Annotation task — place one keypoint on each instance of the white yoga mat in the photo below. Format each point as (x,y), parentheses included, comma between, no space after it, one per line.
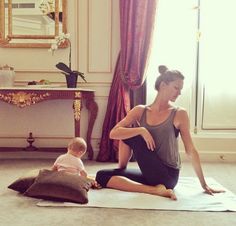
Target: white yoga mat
(188,191)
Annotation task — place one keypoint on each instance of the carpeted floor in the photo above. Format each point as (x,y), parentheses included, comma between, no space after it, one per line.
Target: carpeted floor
(17,210)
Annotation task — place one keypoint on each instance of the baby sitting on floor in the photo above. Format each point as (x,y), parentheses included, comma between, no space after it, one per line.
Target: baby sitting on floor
(71,161)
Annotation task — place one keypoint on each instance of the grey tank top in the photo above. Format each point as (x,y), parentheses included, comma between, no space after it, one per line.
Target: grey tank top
(165,136)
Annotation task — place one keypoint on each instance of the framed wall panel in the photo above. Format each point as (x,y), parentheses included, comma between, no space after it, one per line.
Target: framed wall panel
(99,36)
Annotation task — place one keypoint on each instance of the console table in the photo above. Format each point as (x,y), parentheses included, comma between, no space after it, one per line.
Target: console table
(25,97)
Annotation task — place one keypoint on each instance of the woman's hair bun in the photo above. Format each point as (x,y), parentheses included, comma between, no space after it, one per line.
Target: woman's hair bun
(162,69)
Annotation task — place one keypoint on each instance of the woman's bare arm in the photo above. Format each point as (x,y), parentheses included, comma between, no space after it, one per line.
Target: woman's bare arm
(191,150)
(124,129)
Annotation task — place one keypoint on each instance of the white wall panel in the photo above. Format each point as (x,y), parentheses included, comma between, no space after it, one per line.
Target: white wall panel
(99,36)
(219,111)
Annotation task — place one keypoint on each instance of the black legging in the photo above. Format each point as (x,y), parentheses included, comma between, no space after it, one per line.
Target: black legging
(152,171)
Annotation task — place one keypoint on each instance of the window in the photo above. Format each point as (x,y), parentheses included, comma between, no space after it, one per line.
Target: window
(208,65)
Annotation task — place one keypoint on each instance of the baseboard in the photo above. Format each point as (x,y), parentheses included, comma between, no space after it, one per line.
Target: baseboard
(28,155)
(207,156)
(210,156)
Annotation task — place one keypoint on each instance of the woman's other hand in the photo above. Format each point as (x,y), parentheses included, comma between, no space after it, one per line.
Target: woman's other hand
(211,191)
(148,139)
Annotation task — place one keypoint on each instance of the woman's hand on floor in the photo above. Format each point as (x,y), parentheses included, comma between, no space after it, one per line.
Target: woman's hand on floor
(211,191)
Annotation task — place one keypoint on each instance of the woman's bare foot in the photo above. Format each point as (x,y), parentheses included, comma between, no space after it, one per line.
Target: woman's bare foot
(171,194)
(162,191)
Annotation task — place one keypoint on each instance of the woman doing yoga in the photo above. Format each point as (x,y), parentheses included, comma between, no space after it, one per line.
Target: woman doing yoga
(151,133)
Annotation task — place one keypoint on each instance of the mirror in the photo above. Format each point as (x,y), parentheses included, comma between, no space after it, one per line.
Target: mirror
(31,23)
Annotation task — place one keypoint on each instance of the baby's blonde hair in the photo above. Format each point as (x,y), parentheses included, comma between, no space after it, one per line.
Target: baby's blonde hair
(77,144)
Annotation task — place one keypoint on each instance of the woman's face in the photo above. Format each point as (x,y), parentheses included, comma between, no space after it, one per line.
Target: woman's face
(173,89)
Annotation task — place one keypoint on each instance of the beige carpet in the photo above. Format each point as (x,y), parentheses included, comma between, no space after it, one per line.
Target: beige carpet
(189,193)
(17,210)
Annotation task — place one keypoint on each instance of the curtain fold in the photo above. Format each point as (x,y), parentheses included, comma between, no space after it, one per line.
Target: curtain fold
(136,26)
(117,107)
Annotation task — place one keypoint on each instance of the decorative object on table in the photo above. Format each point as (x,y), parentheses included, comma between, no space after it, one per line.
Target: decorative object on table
(30,140)
(71,75)
(41,82)
(7,76)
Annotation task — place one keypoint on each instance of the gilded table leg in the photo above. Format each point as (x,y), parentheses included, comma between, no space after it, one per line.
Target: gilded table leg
(77,110)
(92,107)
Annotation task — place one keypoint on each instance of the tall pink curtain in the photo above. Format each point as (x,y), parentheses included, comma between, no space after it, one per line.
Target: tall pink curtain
(136,26)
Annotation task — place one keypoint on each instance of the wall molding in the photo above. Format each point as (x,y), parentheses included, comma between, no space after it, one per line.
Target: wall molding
(207,155)
(92,32)
(37,71)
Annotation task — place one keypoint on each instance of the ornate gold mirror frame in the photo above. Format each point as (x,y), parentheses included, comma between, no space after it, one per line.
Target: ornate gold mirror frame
(56,15)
